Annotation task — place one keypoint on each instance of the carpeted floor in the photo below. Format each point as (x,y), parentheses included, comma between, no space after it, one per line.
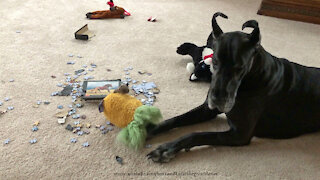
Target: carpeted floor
(41,49)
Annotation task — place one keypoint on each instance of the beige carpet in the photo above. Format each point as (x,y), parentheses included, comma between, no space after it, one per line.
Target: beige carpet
(41,49)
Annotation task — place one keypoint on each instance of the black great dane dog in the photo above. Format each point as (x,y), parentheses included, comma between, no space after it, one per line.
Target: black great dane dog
(261,95)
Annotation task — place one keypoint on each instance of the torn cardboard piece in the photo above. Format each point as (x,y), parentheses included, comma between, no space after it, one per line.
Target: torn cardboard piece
(84,33)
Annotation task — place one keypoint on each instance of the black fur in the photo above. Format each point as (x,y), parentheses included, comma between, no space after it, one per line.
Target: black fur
(261,95)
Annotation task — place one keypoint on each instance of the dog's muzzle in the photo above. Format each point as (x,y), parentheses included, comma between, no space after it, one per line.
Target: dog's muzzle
(211,105)
(224,107)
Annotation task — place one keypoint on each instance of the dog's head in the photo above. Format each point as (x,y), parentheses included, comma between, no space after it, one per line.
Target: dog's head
(232,60)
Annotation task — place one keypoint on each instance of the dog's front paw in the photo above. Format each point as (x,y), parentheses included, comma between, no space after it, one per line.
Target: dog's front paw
(164,153)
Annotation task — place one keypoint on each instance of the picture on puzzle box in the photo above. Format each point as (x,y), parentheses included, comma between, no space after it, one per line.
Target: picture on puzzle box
(99,89)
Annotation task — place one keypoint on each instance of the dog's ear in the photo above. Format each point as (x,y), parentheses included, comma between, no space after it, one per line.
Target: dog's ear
(216,30)
(255,34)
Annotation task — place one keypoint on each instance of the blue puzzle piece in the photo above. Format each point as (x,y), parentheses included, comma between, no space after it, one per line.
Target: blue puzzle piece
(32,141)
(6,141)
(35,128)
(86,144)
(110,128)
(10,108)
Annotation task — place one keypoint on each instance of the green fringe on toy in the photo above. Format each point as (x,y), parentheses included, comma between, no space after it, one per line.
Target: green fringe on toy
(135,134)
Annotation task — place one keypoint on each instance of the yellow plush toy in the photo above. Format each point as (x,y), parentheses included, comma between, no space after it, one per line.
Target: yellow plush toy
(127,112)
(119,108)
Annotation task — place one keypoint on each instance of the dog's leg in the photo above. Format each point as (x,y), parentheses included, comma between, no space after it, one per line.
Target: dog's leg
(200,114)
(167,151)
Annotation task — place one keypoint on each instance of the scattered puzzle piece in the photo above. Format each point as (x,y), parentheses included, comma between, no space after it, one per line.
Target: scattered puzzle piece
(88,125)
(76,116)
(86,144)
(86,132)
(79,71)
(93,65)
(69,127)
(35,105)
(61,114)
(32,141)
(10,108)
(2,112)
(119,160)
(110,128)
(35,128)
(7,141)
(141,72)
(62,120)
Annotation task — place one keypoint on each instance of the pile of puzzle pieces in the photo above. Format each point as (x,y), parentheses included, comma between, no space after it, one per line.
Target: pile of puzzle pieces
(6,99)
(72,86)
(148,89)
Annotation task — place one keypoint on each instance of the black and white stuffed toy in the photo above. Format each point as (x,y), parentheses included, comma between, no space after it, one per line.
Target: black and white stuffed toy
(202,58)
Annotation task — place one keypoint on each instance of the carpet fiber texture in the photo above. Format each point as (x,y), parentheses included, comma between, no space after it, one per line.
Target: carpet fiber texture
(35,40)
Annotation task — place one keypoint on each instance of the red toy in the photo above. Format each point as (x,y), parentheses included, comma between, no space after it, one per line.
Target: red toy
(114,12)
